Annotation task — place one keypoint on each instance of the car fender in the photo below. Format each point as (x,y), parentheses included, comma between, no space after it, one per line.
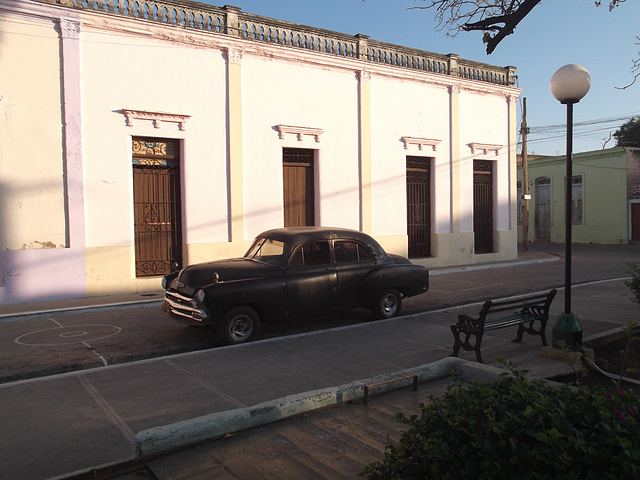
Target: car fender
(408,279)
(264,297)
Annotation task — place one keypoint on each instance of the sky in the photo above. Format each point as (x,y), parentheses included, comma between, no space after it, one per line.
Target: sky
(554,34)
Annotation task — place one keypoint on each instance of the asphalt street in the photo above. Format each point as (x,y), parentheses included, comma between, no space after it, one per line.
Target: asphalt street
(55,337)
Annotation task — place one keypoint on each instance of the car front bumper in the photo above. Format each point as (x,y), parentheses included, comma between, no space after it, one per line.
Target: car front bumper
(185,309)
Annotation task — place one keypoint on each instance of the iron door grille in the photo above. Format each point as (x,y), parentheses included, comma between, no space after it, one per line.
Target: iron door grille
(157,211)
(483,206)
(298,187)
(419,206)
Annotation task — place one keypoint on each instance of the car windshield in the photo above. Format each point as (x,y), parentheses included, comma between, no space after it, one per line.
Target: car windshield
(269,251)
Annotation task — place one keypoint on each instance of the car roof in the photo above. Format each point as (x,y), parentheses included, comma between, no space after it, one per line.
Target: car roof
(298,235)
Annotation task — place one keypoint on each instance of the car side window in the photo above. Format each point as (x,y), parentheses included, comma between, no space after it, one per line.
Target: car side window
(315,253)
(349,252)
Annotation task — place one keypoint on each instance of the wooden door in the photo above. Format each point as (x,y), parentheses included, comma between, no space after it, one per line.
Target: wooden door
(483,206)
(156,205)
(635,222)
(543,208)
(419,206)
(298,187)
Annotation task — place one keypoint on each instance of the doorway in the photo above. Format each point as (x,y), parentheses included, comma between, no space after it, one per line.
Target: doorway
(298,187)
(156,205)
(635,222)
(419,206)
(543,209)
(483,206)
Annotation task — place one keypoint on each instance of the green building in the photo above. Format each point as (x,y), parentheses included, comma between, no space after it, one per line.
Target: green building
(605,197)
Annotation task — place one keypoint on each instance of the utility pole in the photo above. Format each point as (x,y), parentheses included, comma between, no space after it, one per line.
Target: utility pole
(525,180)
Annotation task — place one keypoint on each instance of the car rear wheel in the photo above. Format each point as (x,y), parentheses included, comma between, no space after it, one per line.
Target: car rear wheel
(240,325)
(387,305)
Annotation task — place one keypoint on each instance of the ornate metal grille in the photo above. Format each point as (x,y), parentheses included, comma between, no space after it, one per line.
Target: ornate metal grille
(156,200)
(483,206)
(419,206)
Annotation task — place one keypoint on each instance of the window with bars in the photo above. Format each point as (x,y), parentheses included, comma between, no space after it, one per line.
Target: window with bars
(576,200)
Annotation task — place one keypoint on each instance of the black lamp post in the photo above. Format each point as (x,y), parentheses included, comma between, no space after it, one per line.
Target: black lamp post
(568,85)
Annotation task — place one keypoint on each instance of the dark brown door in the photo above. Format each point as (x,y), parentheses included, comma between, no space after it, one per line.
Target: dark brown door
(483,206)
(635,222)
(156,201)
(543,208)
(298,187)
(419,206)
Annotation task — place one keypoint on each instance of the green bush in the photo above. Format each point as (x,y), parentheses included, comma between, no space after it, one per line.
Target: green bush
(518,429)
(634,283)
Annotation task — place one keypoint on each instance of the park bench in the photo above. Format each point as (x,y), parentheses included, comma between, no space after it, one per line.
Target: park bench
(524,311)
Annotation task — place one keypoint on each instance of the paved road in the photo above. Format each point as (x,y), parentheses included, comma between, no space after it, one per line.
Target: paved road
(63,340)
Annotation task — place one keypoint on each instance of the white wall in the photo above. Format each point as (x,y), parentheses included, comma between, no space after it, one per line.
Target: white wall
(485,121)
(31,157)
(159,78)
(292,93)
(410,108)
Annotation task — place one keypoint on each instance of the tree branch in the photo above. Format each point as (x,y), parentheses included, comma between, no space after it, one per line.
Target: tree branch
(509,21)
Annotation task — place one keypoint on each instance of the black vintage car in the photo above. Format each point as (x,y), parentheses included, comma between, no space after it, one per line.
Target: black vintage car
(290,273)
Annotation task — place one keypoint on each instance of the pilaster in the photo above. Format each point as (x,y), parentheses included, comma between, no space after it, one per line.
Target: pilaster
(71,99)
(236,180)
(454,102)
(366,215)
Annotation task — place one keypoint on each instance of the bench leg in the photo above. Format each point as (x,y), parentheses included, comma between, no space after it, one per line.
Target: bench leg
(542,334)
(466,344)
(456,340)
(531,331)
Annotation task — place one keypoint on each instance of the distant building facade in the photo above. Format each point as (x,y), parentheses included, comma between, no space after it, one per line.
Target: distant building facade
(605,197)
(138,134)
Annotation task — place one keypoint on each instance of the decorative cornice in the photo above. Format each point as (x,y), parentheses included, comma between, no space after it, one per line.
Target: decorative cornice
(365,76)
(234,55)
(69,29)
(421,142)
(299,131)
(156,118)
(485,148)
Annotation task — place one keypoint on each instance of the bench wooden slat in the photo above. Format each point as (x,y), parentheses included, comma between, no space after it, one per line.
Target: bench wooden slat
(527,309)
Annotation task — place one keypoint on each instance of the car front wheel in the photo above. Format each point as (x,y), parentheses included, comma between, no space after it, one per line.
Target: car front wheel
(387,304)
(240,325)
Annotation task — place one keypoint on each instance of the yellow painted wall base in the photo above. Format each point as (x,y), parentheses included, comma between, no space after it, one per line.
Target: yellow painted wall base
(111,270)
(456,249)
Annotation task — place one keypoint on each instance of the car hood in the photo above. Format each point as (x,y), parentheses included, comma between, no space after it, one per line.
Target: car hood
(201,274)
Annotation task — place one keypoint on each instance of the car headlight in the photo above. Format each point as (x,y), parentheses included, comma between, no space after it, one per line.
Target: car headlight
(199,297)
(164,283)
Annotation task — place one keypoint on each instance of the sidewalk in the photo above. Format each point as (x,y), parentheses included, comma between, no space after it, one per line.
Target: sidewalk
(73,422)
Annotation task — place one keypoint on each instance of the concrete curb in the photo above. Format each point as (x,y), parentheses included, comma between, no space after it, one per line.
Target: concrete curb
(159,440)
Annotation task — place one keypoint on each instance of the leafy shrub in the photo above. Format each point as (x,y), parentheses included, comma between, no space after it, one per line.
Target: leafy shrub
(634,283)
(517,429)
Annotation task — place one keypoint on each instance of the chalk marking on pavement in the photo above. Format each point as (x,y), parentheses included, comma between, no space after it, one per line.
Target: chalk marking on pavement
(104,362)
(69,335)
(104,405)
(56,322)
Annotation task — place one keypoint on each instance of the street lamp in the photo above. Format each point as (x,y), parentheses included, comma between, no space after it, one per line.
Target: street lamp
(568,85)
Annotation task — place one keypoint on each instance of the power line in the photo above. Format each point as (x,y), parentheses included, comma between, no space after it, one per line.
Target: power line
(586,129)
